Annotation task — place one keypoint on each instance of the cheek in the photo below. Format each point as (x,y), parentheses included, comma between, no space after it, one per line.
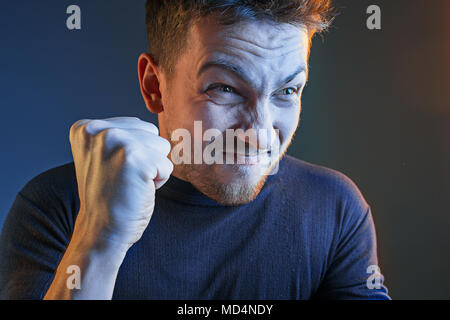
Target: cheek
(286,120)
(198,117)
(183,112)
(214,116)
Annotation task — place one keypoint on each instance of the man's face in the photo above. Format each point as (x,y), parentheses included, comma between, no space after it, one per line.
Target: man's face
(245,76)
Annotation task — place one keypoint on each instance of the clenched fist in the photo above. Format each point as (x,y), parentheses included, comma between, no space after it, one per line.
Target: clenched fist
(119,163)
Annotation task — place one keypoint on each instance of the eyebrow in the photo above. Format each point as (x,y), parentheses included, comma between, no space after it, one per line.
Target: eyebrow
(240,73)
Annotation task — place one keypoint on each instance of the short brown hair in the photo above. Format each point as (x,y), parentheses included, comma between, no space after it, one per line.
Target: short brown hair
(168,21)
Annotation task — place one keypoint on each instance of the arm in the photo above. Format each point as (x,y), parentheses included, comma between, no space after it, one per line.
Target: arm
(35,235)
(36,248)
(356,250)
(95,272)
(119,163)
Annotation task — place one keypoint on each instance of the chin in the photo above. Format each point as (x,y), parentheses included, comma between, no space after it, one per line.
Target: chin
(238,173)
(231,184)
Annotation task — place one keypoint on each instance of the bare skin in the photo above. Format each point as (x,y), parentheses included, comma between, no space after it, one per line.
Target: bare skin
(266,55)
(120,162)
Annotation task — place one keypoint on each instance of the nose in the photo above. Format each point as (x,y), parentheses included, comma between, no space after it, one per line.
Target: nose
(258,139)
(261,134)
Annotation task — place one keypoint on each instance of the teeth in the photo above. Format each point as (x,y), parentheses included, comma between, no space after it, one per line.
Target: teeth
(250,155)
(242,154)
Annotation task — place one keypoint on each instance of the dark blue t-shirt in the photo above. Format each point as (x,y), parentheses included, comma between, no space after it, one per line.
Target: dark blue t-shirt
(309,234)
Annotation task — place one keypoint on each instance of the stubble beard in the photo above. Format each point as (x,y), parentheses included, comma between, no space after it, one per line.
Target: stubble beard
(211,180)
(227,184)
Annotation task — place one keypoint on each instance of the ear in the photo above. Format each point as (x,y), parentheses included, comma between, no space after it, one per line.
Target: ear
(149,82)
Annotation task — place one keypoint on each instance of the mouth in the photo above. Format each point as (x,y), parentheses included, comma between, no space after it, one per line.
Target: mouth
(248,159)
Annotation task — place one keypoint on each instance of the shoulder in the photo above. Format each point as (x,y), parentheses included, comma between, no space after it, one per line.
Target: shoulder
(321,186)
(51,196)
(321,179)
(59,182)
(36,232)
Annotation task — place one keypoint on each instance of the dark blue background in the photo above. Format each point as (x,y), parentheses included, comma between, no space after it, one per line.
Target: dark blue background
(377,108)
(51,77)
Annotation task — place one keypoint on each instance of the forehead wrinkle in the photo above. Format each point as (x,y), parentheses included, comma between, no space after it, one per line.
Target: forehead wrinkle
(260,51)
(276,62)
(233,55)
(263,31)
(243,73)
(268,53)
(253,43)
(216,38)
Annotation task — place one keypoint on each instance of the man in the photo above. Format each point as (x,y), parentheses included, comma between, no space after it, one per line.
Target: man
(134,222)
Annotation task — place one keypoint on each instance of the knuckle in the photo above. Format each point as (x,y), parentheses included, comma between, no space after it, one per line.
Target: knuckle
(80,122)
(113,137)
(130,152)
(75,126)
(113,133)
(93,126)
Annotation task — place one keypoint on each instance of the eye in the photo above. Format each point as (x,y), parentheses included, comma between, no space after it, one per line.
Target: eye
(222,88)
(289,91)
(223,94)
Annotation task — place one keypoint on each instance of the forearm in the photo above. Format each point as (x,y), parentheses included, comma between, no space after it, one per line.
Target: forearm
(98,266)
